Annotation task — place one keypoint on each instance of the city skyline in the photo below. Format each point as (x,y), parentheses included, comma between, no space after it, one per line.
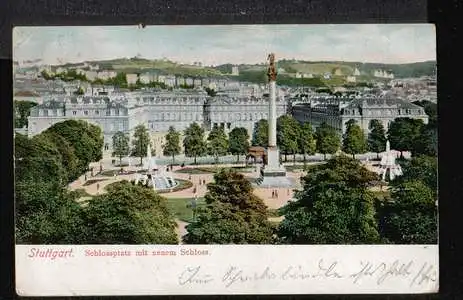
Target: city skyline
(221,44)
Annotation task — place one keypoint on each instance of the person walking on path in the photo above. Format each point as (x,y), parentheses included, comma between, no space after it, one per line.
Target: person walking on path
(204,181)
(98,188)
(273,193)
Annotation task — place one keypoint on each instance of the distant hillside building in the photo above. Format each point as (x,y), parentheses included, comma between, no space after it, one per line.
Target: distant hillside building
(131,78)
(327,75)
(91,75)
(356,72)
(105,75)
(235,71)
(351,79)
(383,74)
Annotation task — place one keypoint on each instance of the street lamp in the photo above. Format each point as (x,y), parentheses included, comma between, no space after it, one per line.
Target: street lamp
(194,203)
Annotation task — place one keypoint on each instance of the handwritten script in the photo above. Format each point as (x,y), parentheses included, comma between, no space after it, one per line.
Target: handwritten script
(380,273)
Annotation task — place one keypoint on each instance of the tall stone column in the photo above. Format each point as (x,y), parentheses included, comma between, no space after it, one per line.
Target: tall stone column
(272,116)
(273,167)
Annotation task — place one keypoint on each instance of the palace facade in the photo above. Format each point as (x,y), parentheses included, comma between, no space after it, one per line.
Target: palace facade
(337,113)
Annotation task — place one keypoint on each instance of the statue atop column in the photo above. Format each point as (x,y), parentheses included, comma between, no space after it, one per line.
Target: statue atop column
(272,71)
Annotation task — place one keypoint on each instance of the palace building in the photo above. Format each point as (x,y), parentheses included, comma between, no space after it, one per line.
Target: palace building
(337,112)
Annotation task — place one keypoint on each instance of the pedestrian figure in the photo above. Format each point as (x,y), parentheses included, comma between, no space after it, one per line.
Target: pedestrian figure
(273,194)
(101,168)
(189,177)
(204,181)
(288,192)
(85,177)
(97,186)
(194,190)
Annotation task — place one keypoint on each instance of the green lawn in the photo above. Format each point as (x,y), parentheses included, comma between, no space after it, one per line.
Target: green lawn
(180,207)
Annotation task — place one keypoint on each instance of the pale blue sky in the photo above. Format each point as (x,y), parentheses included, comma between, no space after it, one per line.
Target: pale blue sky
(213,45)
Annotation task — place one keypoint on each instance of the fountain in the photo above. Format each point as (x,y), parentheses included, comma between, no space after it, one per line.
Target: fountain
(388,169)
(154,176)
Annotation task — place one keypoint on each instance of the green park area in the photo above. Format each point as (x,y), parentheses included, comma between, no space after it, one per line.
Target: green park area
(339,202)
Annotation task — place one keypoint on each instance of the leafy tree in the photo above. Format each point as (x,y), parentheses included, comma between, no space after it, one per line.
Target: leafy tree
(120,145)
(69,160)
(430,109)
(307,144)
(38,158)
(404,134)
(47,214)
(354,139)
(238,142)
(427,143)
(288,133)
(411,217)
(141,140)
(120,80)
(86,139)
(422,168)
(260,134)
(129,214)
(217,142)
(172,146)
(328,140)
(210,92)
(80,91)
(376,137)
(22,111)
(334,207)
(232,215)
(194,143)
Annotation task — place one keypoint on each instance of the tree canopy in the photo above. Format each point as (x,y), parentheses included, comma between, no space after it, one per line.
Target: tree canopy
(411,217)
(129,214)
(172,145)
(232,215)
(307,144)
(47,214)
(141,140)
(22,110)
(334,207)
(238,141)
(120,145)
(217,142)
(328,140)
(376,137)
(260,134)
(86,139)
(354,139)
(404,134)
(288,134)
(194,142)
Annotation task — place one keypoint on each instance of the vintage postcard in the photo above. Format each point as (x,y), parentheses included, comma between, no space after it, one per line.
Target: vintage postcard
(234,159)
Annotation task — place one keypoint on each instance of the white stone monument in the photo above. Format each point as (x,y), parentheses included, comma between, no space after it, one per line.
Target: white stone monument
(388,166)
(273,174)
